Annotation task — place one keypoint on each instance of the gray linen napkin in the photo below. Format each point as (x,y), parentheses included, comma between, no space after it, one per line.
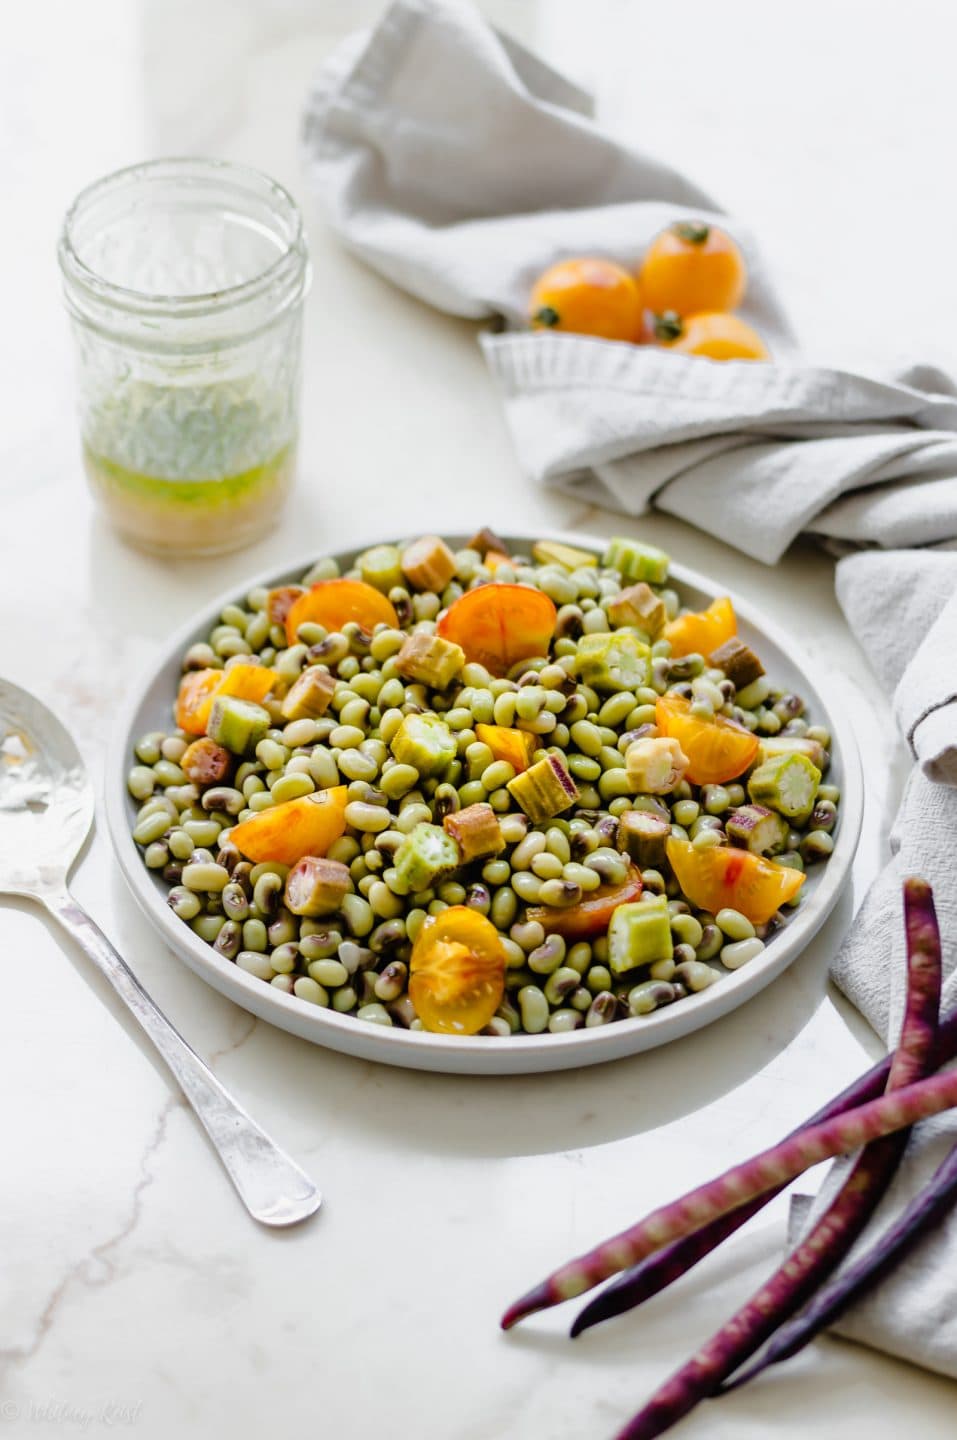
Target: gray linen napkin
(913,1313)
(459,165)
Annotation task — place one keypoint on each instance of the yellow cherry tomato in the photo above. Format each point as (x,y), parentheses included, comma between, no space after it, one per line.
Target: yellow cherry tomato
(589,297)
(721,876)
(195,697)
(457,977)
(285,833)
(690,267)
(714,335)
(718,749)
(701,631)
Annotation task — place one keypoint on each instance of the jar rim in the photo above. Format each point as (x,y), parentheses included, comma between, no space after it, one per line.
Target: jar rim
(76,271)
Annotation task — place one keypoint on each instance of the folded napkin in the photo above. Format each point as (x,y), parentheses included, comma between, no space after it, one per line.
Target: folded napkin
(459,165)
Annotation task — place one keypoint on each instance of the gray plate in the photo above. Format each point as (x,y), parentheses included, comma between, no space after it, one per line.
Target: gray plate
(148,708)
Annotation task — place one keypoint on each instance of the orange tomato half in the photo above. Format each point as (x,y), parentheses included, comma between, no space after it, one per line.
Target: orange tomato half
(499,625)
(701,631)
(718,749)
(589,297)
(690,267)
(723,876)
(457,977)
(333,603)
(285,833)
(592,915)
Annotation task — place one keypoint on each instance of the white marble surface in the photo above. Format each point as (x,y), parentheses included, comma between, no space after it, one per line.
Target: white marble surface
(136,1291)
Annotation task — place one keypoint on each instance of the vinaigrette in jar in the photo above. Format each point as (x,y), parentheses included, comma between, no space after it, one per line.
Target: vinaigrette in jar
(185,281)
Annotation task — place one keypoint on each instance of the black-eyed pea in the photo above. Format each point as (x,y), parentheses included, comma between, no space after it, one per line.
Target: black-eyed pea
(528,887)
(305,988)
(529,934)
(563,1022)
(255,963)
(514,955)
(546,866)
(344,999)
(560,984)
(664,969)
(695,975)
(733,924)
(533,1008)
(547,957)
(687,929)
(739,952)
(650,995)
(602,1010)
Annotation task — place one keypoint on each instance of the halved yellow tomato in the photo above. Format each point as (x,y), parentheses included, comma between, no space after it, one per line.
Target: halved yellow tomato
(246,682)
(199,689)
(700,632)
(333,603)
(498,625)
(457,972)
(285,833)
(722,876)
(718,749)
(196,691)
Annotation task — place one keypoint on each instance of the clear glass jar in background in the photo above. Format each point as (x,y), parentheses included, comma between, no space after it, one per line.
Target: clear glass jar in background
(185,281)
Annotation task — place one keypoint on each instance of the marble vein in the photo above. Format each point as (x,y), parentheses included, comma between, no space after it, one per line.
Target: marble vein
(83,1272)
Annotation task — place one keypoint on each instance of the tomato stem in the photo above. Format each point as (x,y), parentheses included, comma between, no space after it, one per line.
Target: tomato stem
(546,315)
(695,232)
(668,326)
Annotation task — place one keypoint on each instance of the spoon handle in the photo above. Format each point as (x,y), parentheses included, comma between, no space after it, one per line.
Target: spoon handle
(273,1188)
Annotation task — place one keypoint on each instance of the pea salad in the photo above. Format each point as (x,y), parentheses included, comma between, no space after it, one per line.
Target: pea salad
(478,792)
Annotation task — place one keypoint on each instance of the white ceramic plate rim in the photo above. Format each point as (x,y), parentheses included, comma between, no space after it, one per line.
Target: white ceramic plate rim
(481,1054)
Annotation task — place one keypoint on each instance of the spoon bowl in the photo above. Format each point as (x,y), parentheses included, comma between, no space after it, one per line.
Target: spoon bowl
(46,799)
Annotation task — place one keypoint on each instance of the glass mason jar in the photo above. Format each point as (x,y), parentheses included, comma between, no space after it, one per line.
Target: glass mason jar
(185,280)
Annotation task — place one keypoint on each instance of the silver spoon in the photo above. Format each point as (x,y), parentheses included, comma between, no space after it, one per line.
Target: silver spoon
(46,809)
